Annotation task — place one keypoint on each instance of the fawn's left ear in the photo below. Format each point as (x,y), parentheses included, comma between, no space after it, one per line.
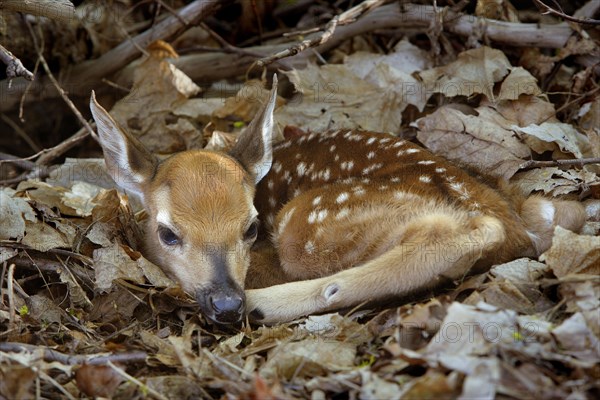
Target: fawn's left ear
(253,148)
(129,163)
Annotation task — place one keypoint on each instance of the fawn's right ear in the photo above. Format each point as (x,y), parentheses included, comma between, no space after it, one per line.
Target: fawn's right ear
(129,163)
(253,148)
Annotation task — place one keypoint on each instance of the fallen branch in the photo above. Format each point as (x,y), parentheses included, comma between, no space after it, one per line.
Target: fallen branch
(86,75)
(341,19)
(58,10)
(50,355)
(560,163)
(215,66)
(14,66)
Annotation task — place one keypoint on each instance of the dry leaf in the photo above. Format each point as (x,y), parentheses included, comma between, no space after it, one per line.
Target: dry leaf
(97,380)
(308,357)
(14,212)
(484,141)
(517,83)
(147,111)
(475,71)
(43,237)
(367,91)
(111,263)
(554,181)
(571,253)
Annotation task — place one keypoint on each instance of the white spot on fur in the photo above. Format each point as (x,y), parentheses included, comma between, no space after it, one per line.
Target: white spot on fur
(316,201)
(270,184)
(309,247)
(383,187)
(297,192)
(272,201)
(426,162)
(370,155)
(440,170)
(282,145)
(400,195)
(285,220)
(395,179)
(337,157)
(398,144)
(332,148)
(358,190)
(460,189)
(312,217)
(371,140)
(344,196)
(347,165)
(277,166)
(411,151)
(322,215)
(326,174)
(301,169)
(425,178)
(372,168)
(547,211)
(343,213)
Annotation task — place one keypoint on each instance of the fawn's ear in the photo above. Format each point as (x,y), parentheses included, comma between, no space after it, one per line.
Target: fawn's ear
(129,163)
(253,148)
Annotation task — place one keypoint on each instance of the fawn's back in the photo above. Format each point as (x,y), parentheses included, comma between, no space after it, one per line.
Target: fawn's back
(335,200)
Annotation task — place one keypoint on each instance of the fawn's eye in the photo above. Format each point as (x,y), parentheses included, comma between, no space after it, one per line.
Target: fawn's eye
(167,236)
(251,232)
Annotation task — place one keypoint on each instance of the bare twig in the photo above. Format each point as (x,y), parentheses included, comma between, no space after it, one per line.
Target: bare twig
(50,154)
(50,355)
(341,19)
(14,66)
(549,10)
(559,163)
(225,45)
(19,162)
(60,90)
(34,146)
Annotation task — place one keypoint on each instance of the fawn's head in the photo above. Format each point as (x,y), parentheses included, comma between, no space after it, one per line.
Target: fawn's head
(202,220)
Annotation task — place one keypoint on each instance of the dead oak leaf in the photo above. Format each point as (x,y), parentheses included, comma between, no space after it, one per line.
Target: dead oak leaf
(475,71)
(571,253)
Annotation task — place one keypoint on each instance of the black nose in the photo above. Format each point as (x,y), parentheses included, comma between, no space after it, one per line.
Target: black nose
(228,308)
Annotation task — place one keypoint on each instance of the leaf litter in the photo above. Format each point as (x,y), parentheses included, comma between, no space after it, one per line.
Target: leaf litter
(527,328)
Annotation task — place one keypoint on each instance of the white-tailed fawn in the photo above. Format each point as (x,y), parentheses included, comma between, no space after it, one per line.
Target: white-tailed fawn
(351,216)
